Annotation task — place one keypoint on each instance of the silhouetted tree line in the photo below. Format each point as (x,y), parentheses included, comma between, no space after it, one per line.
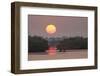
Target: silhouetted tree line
(72,43)
(37,44)
(40,44)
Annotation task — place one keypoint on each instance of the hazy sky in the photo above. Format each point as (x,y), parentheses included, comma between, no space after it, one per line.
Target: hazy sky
(66,25)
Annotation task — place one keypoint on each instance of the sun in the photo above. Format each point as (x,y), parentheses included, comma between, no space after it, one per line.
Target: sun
(51,29)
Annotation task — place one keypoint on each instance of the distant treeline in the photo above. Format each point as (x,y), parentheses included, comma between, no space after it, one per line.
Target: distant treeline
(73,43)
(40,44)
(37,44)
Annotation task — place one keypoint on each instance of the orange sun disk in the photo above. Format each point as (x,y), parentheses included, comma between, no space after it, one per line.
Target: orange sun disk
(50,29)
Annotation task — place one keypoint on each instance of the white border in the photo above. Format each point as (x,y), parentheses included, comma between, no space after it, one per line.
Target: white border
(25,64)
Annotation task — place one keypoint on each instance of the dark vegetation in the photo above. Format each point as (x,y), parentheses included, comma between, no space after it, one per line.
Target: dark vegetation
(37,44)
(72,43)
(40,44)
